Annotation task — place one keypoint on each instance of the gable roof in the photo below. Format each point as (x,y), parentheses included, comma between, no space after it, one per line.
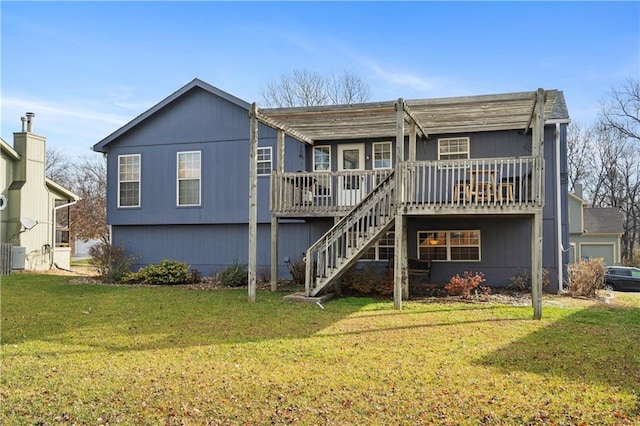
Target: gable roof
(603,220)
(578,199)
(195,83)
(506,111)
(7,149)
(60,190)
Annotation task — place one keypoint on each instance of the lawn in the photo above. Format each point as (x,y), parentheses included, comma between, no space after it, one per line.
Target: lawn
(91,354)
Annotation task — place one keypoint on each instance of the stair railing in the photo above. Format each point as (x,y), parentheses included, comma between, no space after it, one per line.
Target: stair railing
(341,246)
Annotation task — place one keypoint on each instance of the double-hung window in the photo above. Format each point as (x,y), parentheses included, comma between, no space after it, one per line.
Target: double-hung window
(453,149)
(264,161)
(449,245)
(189,178)
(129,180)
(322,163)
(382,155)
(321,158)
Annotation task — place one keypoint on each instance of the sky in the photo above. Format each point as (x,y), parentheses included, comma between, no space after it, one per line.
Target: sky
(87,68)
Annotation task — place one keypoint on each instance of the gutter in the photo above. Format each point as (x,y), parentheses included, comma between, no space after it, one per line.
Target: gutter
(559,212)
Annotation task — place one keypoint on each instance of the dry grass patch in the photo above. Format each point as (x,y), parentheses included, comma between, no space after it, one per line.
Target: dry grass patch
(89,354)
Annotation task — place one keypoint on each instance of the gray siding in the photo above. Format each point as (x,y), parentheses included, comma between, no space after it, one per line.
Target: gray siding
(211,248)
(505,246)
(508,143)
(203,122)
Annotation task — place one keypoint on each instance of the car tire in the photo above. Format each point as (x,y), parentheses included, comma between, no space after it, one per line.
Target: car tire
(609,287)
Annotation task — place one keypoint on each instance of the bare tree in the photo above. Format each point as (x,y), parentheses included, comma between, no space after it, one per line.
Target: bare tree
(347,88)
(621,111)
(618,160)
(89,215)
(580,143)
(309,88)
(58,167)
(605,158)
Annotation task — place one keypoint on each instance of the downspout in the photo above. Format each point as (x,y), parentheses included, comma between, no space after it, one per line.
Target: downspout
(559,212)
(53,240)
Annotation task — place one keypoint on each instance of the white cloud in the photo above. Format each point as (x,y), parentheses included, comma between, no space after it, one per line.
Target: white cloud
(72,125)
(395,82)
(59,111)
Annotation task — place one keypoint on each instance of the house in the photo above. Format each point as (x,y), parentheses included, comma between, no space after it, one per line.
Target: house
(479,183)
(594,232)
(34,213)
(178,184)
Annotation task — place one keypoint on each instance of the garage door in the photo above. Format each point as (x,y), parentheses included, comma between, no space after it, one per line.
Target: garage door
(605,251)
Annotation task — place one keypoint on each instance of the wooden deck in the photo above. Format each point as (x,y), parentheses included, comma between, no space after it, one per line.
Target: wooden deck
(479,186)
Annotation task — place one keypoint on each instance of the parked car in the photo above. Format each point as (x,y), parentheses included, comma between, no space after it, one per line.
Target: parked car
(622,278)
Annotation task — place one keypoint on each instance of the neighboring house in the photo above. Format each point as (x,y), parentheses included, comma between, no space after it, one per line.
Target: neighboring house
(478,184)
(35,220)
(594,232)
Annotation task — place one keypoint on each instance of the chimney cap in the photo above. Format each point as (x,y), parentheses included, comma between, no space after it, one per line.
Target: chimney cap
(30,114)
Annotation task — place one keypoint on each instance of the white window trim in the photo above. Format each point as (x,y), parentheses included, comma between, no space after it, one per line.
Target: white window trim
(328,181)
(139,180)
(448,244)
(178,179)
(270,161)
(373,155)
(468,152)
(314,158)
(376,247)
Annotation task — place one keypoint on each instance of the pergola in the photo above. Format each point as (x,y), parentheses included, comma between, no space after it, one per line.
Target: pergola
(413,118)
(378,119)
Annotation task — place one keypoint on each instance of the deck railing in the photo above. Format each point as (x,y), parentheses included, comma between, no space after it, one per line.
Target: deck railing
(343,244)
(322,192)
(474,182)
(512,181)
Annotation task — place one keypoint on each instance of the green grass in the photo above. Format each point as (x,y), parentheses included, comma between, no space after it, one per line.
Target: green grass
(89,354)
(81,262)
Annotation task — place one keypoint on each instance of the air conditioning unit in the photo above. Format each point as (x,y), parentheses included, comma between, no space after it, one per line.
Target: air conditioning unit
(18,257)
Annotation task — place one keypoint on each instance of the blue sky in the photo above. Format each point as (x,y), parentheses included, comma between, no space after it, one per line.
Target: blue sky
(87,68)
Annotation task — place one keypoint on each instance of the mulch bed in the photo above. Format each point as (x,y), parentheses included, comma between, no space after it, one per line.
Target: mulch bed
(498,295)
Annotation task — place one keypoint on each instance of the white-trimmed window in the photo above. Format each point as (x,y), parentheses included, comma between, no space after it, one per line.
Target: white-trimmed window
(383,249)
(322,158)
(129,180)
(453,149)
(382,155)
(322,163)
(264,161)
(449,245)
(188,193)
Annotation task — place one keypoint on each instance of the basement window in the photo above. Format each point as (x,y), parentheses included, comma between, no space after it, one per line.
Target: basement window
(449,245)
(383,249)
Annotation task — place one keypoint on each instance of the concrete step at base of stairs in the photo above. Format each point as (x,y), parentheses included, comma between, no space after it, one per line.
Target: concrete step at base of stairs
(300,297)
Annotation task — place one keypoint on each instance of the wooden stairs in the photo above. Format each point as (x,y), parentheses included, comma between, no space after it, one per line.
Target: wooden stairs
(337,250)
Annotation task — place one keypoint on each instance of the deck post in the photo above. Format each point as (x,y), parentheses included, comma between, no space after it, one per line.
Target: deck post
(253,206)
(537,145)
(412,141)
(400,258)
(536,265)
(274,253)
(274,219)
(404,258)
